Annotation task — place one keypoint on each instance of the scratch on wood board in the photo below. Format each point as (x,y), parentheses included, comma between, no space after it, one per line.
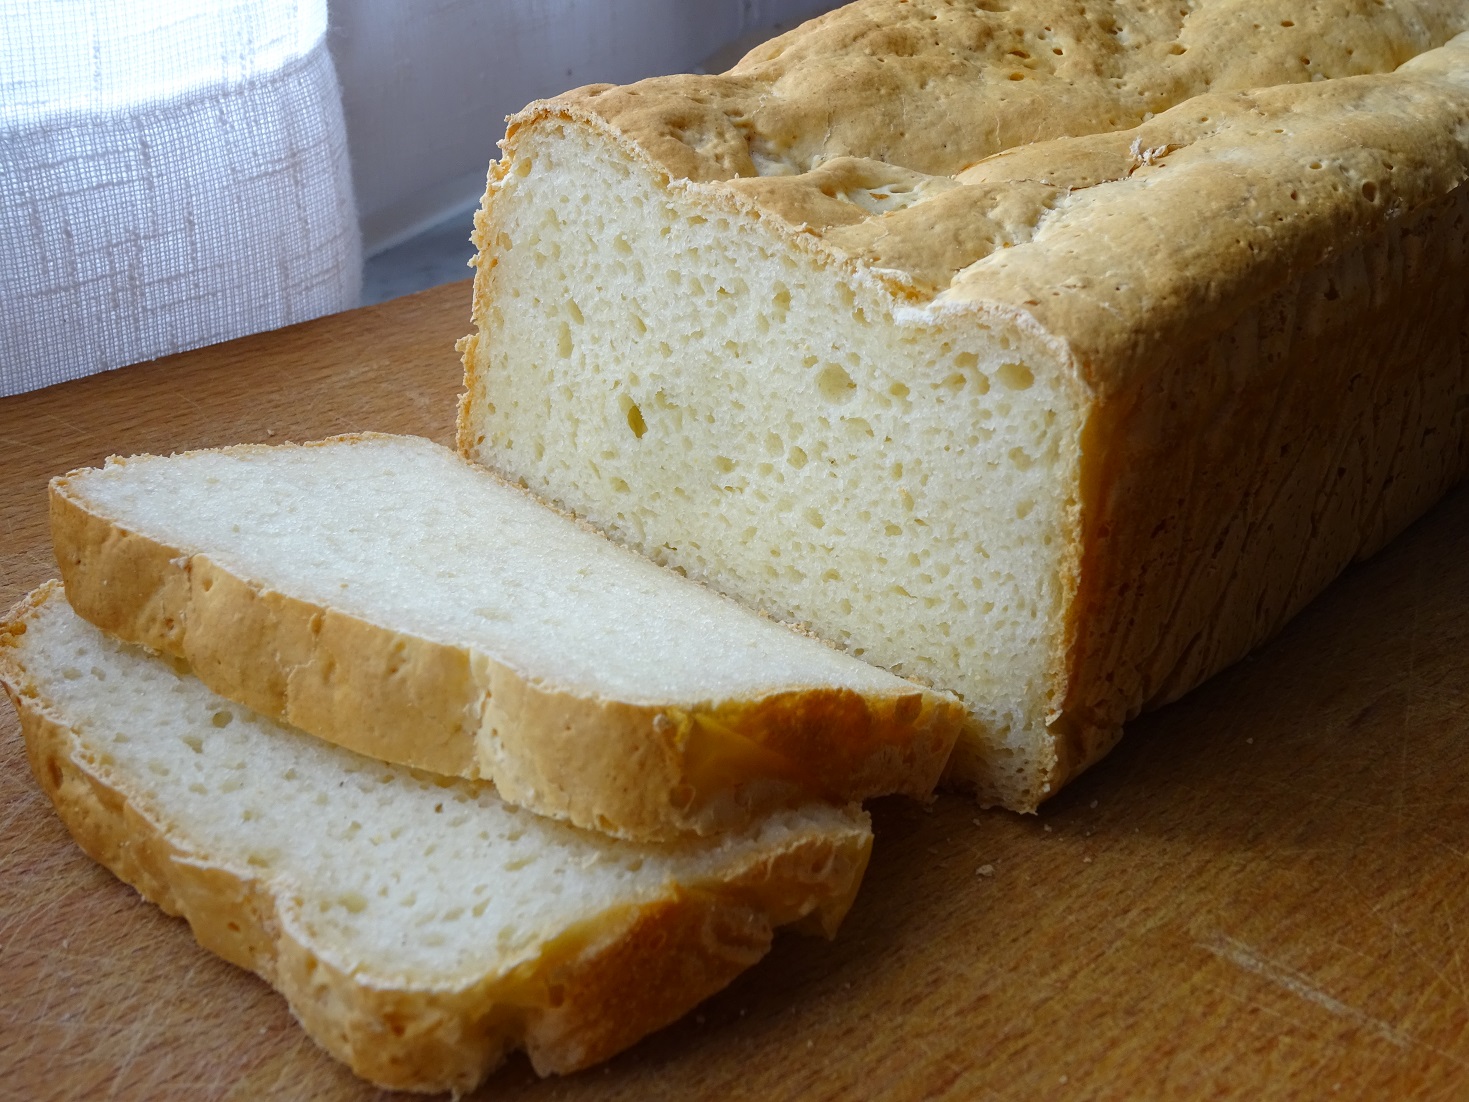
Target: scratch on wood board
(1237,952)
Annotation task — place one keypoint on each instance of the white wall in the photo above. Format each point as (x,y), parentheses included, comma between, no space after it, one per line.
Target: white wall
(426,84)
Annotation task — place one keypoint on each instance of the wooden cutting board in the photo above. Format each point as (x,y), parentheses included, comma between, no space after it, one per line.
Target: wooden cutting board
(1263,893)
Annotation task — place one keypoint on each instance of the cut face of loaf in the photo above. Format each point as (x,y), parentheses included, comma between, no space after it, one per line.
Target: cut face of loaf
(1054,361)
(420,928)
(380,592)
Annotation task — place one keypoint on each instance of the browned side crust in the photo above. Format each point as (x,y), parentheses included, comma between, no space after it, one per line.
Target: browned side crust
(1249,470)
(593,991)
(642,771)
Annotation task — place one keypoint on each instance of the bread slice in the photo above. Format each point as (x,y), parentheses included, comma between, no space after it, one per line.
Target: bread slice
(380,592)
(1056,357)
(419,927)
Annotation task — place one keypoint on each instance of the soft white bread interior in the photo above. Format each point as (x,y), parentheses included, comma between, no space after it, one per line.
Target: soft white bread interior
(382,593)
(1053,356)
(419,927)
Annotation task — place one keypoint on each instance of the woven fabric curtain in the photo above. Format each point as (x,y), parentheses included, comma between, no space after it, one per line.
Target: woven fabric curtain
(172,173)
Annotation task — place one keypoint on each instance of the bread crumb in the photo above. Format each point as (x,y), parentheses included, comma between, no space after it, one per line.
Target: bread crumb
(1094,803)
(1086,860)
(985,870)
(1046,827)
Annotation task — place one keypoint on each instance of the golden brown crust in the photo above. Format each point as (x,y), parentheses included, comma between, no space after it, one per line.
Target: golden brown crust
(143,588)
(644,771)
(935,87)
(1222,202)
(688,942)
(669,949)
(1319,425)
(636,767)
(591,991)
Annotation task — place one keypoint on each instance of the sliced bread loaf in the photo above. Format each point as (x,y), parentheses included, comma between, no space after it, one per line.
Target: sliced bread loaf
(380,592)
(419,927)
(1055,354)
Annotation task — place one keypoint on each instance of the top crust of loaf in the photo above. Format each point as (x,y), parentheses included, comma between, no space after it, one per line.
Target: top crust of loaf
(936,86)
(648,767)
(1208,142)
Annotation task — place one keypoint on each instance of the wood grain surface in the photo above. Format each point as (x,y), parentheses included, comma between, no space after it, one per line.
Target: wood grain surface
(1263,893)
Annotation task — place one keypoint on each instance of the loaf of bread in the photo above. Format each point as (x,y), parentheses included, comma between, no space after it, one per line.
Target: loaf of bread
(420,928)
(1055,355)
(380,592)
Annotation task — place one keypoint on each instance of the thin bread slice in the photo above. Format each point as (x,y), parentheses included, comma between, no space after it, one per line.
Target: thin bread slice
(382,593)
(419,927)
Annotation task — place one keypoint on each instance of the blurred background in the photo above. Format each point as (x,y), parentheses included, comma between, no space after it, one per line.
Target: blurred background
(181,172)
(426,88)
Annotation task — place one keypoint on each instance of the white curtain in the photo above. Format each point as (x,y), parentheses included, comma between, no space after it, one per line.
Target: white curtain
(172,173)
(175,172)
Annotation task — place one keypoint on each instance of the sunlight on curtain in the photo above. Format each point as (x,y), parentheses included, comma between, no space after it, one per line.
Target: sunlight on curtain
(172,174)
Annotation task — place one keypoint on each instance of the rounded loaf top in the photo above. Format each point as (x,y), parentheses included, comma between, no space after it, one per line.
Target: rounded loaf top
(967,152)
